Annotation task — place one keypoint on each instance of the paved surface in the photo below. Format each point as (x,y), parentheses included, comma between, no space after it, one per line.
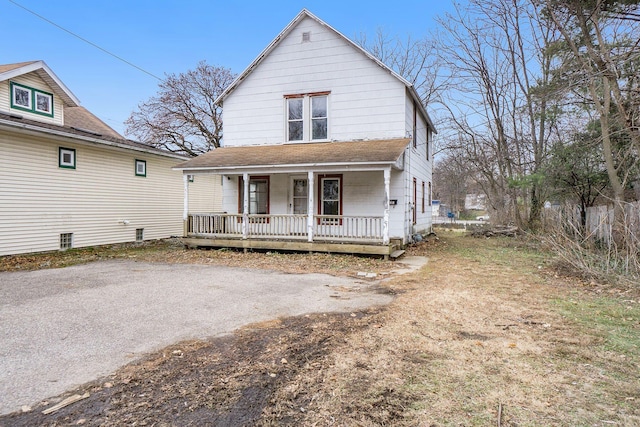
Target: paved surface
(63,327)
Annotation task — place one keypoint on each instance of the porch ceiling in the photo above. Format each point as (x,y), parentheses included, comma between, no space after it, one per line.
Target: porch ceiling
(372,152)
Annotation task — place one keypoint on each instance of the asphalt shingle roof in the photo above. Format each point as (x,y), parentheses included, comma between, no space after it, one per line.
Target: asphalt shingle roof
(363,152)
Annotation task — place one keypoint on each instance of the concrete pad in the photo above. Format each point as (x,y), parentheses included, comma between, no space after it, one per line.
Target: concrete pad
(64,327)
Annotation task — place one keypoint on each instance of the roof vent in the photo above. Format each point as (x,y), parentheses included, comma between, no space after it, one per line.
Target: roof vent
(306,37)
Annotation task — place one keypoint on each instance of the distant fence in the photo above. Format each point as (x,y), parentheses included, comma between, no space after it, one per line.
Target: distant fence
(599,220)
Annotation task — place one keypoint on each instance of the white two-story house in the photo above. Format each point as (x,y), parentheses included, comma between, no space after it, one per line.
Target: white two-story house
(325,149)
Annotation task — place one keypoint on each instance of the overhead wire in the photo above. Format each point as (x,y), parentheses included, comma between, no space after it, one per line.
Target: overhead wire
(85,40)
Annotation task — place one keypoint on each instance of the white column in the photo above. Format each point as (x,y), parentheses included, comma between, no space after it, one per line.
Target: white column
(185,210)
(385,220)
(245,206)
(310,187)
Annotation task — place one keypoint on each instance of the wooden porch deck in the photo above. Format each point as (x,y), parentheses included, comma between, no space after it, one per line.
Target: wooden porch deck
(332,234)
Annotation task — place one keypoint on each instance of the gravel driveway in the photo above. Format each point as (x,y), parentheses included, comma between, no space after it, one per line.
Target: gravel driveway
(64,327)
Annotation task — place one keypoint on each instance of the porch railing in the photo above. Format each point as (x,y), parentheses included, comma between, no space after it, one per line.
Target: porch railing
(325,227)
(347,227)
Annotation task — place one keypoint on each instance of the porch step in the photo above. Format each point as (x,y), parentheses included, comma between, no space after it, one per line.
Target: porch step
(397,253)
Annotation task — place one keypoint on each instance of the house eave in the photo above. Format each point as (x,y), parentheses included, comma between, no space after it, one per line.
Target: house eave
(34,130)
(293,168)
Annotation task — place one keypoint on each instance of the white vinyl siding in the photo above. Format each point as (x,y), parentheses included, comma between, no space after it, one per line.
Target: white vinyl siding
(365,102)
(31,80)
(419,167)
(41,201)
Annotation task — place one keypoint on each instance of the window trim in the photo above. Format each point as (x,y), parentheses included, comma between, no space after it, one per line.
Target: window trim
(289,121)
(312,118)
(423,193)
(340,179)
(144,165)
(293,197)
(33,99)
(241,194)
(307,116)
(66,165)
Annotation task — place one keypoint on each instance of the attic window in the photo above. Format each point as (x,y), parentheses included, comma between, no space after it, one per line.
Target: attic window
(26,98)
(306,37)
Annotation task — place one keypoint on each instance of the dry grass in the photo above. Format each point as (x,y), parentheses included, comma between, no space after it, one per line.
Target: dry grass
(487,324)
(475,330)
(171,251)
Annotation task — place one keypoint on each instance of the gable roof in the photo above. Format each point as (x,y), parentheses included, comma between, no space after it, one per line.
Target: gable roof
(304,13)
(370,152)
(9,71)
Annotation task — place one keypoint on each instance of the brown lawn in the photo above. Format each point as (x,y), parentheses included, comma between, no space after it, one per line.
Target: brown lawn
(486,334)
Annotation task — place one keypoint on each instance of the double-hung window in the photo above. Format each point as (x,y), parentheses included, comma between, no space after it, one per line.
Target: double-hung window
(319,117)
(258,195)
(295,124)
(330,200)
(307,117)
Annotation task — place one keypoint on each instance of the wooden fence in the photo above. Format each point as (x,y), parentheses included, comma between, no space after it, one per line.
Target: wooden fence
(599,220)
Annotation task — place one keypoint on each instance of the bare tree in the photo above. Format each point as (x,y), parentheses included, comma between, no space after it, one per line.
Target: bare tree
(451,182)
(183,116)
(414,59)
(602,54)
(499,100)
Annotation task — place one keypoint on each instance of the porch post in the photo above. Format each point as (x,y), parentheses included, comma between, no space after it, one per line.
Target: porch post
(185,211)
(385,220)
(310,188)
(245,206)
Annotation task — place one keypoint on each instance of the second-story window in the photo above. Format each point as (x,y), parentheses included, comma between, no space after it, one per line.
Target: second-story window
(307,117)
(319,117)
(295,119)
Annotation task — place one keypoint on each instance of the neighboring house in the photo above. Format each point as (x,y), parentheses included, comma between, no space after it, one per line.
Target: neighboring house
(325,149)
(476,202)
(69,180)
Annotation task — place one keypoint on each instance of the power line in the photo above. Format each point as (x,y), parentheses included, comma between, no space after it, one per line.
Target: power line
(85,40)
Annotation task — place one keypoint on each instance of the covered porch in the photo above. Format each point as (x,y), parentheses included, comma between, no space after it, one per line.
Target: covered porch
(324,206)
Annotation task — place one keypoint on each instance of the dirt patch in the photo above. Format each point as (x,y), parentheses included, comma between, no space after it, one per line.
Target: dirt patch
(225,381)
(474,338)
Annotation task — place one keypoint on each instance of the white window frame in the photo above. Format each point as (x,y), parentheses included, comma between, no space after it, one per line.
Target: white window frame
(62,152)
(33,95)
(305,198)
(49,103)
(16,87)
(290,121)
(307,116)
(325,117)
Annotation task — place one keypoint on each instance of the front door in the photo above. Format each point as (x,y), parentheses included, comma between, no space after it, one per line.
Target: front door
(299,204)
(299,196)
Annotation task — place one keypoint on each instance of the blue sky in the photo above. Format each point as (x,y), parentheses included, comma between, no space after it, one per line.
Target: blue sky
(164,37)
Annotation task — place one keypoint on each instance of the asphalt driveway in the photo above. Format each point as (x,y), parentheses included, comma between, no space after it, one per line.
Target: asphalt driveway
(64,327)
